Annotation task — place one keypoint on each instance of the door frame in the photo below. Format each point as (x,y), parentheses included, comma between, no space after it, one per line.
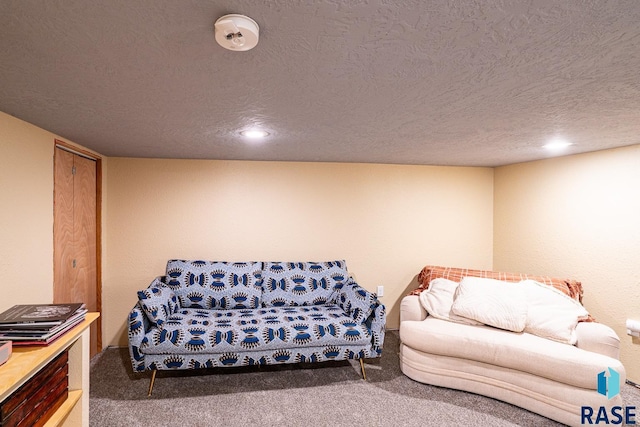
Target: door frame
(98,159)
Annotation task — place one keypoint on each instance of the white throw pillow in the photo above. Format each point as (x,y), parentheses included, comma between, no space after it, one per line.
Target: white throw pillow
(438,299)
(493,302)
(552,314)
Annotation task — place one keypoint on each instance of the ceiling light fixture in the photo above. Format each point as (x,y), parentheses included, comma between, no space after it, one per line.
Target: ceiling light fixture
(254,133)
(236,32)
(557,144)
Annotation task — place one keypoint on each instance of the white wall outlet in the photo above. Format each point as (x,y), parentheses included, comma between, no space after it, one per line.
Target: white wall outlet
(380,292)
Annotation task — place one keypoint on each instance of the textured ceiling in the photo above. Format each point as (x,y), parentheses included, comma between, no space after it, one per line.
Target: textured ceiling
(455,82)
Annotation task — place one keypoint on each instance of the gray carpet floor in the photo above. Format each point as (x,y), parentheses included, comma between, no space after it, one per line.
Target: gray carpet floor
(325,394)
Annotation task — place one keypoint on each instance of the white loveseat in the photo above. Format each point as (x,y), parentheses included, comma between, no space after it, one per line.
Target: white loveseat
(551,378)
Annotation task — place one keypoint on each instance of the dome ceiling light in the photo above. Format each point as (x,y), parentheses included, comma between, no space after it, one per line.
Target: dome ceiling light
(254,133)
(557,145)
(236,32)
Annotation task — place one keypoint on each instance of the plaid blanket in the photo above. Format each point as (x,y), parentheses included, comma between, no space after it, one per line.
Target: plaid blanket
(570,287)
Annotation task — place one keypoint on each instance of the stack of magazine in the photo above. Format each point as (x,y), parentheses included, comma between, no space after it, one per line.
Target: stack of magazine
(39,324)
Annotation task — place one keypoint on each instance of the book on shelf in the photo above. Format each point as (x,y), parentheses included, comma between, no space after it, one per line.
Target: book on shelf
(52,314)
(43,332)
(45,339)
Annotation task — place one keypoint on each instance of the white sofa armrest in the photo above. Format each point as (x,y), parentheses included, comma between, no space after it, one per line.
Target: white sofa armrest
(411,309)
(599,338)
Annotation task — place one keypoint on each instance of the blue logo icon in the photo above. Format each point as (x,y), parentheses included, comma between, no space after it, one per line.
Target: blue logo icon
(609,383)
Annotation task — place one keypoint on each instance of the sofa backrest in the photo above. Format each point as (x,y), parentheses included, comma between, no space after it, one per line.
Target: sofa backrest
(301,283)
(215,284)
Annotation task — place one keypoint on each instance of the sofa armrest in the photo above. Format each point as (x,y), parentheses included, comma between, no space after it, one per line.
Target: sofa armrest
(137,327)
(365,308)
(411,309)
(377,322)
(598,338)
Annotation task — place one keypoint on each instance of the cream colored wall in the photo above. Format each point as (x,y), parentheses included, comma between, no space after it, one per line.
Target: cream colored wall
(577,216)
(26,212)
(387,221)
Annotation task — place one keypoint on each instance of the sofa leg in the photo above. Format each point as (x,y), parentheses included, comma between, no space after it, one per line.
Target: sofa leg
(153,380)
(364,374)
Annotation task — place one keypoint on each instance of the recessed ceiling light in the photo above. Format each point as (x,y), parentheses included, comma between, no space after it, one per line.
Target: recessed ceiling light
(557,144)
(254,133)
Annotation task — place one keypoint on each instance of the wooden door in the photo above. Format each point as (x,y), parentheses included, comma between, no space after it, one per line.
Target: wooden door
(75,234)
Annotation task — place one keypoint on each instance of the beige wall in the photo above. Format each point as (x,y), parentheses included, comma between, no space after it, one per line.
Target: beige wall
(387,221)
(577,216)
(26,213)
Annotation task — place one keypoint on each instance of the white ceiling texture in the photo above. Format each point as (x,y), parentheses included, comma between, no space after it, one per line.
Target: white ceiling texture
(445,82)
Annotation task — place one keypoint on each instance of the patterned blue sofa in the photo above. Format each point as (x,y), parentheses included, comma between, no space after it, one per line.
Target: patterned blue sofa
(206,314)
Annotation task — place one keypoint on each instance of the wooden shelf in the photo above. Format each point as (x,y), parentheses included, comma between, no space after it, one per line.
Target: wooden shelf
(26,361)
(62,414)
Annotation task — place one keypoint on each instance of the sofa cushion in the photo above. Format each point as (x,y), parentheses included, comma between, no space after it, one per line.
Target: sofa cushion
(356,301)
(301,283)
(158,301)
(552,314)
(192,331)
(570,287)
(215,284)
(438,300)
(492,302)
(521,351)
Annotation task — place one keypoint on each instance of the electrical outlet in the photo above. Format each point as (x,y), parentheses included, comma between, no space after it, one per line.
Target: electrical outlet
(380,291)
